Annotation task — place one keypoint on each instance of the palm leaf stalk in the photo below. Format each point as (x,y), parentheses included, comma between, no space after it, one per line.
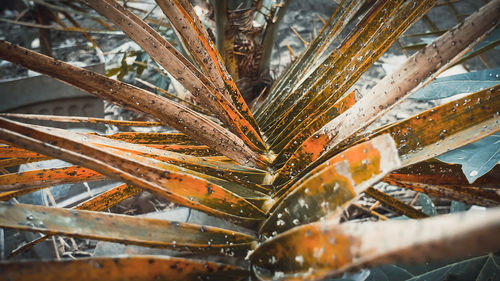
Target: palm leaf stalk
(284,179)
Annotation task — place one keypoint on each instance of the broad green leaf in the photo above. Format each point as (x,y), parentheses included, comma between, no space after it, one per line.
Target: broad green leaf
(482,268)
(147,268)
(491,41)
(476,158)
(457,84)
(479,268)
(491,38)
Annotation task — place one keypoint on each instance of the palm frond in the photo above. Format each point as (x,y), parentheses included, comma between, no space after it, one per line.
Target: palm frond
(280,184)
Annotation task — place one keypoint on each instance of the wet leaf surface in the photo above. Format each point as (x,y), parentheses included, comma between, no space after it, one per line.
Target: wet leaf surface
(124,229)
(47,177)
(121,268)
(326,248)
(332,185)
(457,84)
(229,170)
(477,158)
(391,90)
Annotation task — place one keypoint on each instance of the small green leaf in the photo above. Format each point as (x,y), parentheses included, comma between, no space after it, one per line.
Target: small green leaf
(457,206)
(123,67)
(476,158)
(427,205)
(458,84)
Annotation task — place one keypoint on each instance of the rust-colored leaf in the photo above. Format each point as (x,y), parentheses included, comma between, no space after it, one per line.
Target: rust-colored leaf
(109,198)
(209,172)
(182,15)
(237,173)
(293,75)
(175,185)
(175,115)
(218,172)
(437,130)
(355,61)
(193,150)
(175,97)
(124,229)
(15,161)
(287,145)
(395,204)
(74,119)
(469,194)
(4,196)
(152,138)
(175,142)
(332,184)
(442,128)
(100,202)
(422,66)
(328,78)
(146,268)
(436,172)
(9,151)
(47,177)
(325,248)
(202,90)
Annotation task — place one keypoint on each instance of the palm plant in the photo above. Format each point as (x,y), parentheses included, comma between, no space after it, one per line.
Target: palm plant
(284,172)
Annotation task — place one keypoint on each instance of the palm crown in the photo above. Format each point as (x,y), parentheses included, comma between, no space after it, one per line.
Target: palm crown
(284,169)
